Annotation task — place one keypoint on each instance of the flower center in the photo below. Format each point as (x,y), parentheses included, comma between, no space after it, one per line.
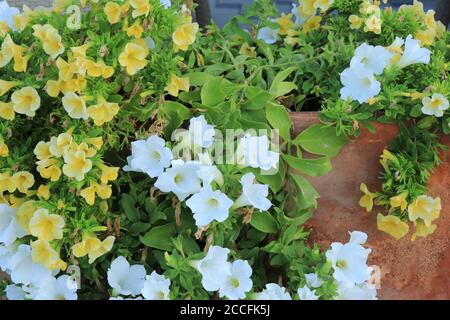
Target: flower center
(436,103)
(235,282)
(156,155)
(342,264)
(367,81)
(179,178)
(213,202)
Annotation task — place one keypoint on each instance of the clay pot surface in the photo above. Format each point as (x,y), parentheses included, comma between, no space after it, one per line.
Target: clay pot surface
(409,270)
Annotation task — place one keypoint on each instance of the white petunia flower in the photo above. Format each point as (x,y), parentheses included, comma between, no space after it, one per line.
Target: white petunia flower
(372,58)
(209,205)
(201,133)
(150,156)
(15,292)
(214,268)
(359,84)
(181,179)
(358,237)
(413,53)
(61,288)
(435,106)
(357,292)
(25,271)
(313,280)
(6,254)
(306,293)
(127,298)
(238,282)
(349,261)
(126,279)
(10,229)
(268,35)
(165,3)
(253,194)
(156,287)
(210,173)
(7,13)
(299,18)
(273,292)
(255,152)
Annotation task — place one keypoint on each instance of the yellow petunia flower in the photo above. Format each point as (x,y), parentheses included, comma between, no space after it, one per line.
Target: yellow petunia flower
(423,230)
(48,169)
(7,111)
(90,152)
(23,180)
(385,157)
(25,213)
(45,226)
(425,208)
(355,21)
(98,69)
(43,191)
(58,145)
(366,200)
(20,21)
(312,23)
(26,101)
(42,150)
(307,8)
(135,30)
(75,106)
(285,22)
(141,8)
(7,51)
(93,247)
(425,37)
(20,63)
(4,150)
(103,111)
(104,191)
(109,174)
(373,24)
(96,142)
(88,194)
(4,28)
(113,11)
(52,43)
(184,36)
(40,31)
(323,5)
(176,85)
(6,183)
(133,58)
(76,165)
(399,201)
(43,253)
(5,86)
(54,88)
(392,225)
(66,70)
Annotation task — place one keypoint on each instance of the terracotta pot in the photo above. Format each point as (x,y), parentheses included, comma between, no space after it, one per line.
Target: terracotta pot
(409,270)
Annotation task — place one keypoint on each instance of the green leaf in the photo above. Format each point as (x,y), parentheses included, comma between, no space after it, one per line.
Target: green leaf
(198,78)
(129,208)
(283,88)
(263,221)
(279,119)
(139,227)
(160,237)
(307,195)
(176,114)
(321,139)
(311,167)
(279,78)
(213,91)
(257,98)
